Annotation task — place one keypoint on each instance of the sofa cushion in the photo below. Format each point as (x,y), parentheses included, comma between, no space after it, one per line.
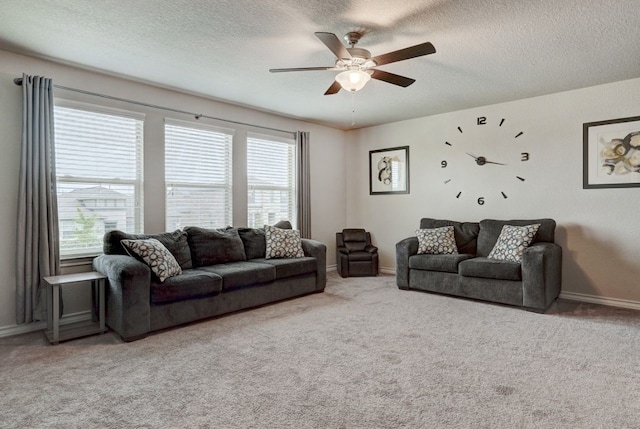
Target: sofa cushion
(490,269)
(214,246)
(253,239)
(190,284)
(437,241)
(175,242)
(244,273)
(490,230)
(442,263)
(282,243)
(466,233)
(512,242)
(291,267)
(283,224)
(155,255)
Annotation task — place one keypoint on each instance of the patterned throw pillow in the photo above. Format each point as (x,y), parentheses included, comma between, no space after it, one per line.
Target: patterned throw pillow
(437,241)
(512,242)
(283,243)
(155,255)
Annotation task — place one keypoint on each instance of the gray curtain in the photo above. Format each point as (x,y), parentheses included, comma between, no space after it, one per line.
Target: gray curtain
(304,185)
(37,245)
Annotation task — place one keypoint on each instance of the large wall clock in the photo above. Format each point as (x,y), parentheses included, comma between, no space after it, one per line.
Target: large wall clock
(485,150)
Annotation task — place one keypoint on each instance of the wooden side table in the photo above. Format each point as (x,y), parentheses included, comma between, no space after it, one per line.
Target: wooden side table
(54,332)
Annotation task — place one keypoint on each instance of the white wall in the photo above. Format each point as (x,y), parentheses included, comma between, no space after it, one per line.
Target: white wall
(327,155)
(598,229)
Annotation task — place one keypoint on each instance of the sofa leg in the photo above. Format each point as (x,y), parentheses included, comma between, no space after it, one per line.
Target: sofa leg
(133,338)
(535,310)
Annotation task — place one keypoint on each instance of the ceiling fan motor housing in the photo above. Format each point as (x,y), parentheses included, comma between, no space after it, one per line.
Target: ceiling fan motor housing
(360,58)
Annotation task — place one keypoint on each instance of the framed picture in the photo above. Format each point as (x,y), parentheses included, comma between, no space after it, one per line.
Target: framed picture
(389,171)
(611,153)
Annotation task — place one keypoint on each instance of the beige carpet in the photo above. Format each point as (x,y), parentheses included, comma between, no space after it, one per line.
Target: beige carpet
(361,355)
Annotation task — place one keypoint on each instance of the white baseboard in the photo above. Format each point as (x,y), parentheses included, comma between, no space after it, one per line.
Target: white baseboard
(593,299)
(8,331)
(333,267)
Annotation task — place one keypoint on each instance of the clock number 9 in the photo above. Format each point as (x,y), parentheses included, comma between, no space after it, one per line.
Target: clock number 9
(443,164)
(481,201)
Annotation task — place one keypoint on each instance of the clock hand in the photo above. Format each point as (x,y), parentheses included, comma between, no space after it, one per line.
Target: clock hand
(481,160)
(472,155)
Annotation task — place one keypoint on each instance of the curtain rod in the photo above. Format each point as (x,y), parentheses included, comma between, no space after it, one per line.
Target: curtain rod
(18,81)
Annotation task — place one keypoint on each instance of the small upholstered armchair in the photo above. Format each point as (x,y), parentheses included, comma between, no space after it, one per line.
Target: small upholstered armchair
(355,255)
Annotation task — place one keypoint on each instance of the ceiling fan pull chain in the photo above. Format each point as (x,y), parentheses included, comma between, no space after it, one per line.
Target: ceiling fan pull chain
(353,108)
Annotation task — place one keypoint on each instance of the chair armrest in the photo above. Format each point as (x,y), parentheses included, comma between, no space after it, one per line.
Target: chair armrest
(317,250)
(128,308)
(404,249)
(371,249)
(343,250)
(541,275)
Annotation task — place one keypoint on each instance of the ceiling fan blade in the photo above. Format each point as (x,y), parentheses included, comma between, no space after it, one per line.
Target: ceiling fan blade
(395,79)
(301,69)
(334,44)
(404,54)
(333,89)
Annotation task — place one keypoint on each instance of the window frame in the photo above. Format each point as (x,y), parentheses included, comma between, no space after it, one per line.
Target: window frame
(292,189)
(137,183)
(227,187)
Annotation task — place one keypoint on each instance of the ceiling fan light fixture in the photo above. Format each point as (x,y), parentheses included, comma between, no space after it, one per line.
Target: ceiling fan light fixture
(353,80)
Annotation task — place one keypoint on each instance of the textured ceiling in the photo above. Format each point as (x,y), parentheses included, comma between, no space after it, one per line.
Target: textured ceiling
(488,51)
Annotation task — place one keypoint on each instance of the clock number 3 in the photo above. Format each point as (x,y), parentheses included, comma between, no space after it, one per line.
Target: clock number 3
(524,156)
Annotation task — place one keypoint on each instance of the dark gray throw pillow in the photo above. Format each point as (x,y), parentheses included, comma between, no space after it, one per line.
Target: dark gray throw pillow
(255,245)
(214,246)
(175,242)
(283,224)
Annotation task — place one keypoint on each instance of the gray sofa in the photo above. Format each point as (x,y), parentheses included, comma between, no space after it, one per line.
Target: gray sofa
(223,271)
(532,284)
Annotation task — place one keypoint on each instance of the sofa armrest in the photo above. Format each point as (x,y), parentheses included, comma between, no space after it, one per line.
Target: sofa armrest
(128,303)
(404,249)
(317,250)
(541,275)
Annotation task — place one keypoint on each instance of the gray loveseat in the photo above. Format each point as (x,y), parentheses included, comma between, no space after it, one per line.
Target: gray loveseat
(223,271)
(532,284)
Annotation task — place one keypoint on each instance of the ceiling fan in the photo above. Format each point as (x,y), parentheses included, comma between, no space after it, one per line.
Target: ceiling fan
(357,67)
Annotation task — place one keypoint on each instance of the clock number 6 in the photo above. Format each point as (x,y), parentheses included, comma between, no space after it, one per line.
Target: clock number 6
(481,201)
(443,164)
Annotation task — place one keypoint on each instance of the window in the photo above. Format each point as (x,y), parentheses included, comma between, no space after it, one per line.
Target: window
(271,180)
(197,175)
(99,175)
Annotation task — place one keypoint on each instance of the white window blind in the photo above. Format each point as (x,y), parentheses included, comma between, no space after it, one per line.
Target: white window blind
(99,175)
(197,176)
(271,180)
